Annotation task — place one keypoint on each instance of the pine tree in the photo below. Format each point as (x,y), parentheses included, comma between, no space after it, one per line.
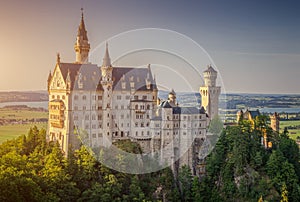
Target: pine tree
(196,189)
(284,193)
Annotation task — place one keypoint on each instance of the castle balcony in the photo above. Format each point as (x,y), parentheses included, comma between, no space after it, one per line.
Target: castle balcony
(57,123)
(56,113)
(140,111)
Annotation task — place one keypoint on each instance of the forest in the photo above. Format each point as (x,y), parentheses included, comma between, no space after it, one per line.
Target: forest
(239,168)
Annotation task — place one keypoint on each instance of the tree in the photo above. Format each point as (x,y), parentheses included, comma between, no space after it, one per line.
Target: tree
(284,193)
(185,183)
(196,189)
(135,191)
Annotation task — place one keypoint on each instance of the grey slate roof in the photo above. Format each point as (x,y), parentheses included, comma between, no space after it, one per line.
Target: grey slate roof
(165,104)
(210,69)
(187,110)
(137,75)
(254,113)
(91,76)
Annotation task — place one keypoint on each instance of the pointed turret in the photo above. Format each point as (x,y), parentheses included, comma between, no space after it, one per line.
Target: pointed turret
(172,98)
(106,68)
(82,46)
(58,58)
(49,80)
(106,59)
(81,29)
(68,80)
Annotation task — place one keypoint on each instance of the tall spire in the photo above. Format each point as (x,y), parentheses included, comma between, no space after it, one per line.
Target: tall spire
(81,29)
(82,46)
(106,59)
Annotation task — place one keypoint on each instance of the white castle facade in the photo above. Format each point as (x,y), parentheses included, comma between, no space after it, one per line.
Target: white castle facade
(100,105)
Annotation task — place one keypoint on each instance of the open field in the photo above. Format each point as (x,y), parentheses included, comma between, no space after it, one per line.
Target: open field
(8,116)
(293,133)
(8,132)
(8,113)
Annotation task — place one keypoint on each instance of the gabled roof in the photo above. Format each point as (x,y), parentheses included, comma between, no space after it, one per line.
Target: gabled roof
(90,75)
(254,113)
(136,75)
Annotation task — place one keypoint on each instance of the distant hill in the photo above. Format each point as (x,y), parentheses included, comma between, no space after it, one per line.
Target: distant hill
(23,96)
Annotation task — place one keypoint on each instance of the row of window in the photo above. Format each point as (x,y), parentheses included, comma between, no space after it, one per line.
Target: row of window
(55,117)
(84,97)
(94,126)
(142,133)
(58,97)
(176,133)
(176,117)
(176,125)
(142,107)
(94,107)
(99,97)
(141,116)
(142,124)
(55,107)
(119,97)
(137,133)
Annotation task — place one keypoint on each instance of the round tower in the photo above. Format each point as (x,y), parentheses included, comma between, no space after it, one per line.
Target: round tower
(275,121)
(210,92)
(210,76)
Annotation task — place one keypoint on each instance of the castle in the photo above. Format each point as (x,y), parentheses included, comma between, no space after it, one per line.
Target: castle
(251,115)
(100,105)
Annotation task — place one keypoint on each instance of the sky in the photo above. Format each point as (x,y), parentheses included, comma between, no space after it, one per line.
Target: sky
(254,45)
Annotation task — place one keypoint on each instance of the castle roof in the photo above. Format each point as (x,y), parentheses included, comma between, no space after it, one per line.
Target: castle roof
(210,69)
(187,110)
(106,59)
(81,29)
(254,113)
(90,76)
(136,75)
(165,104)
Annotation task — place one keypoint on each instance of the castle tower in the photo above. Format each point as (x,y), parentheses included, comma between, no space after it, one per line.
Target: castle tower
(82,46)
(210,92)
(172,98)
(107,84)
(275,121)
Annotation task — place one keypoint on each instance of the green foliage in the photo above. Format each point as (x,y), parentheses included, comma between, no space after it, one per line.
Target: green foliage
(238,169)
(284,194)
(185,183)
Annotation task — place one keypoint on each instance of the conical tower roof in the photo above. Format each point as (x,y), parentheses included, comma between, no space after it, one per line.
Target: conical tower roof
(106,58)
(81,29)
